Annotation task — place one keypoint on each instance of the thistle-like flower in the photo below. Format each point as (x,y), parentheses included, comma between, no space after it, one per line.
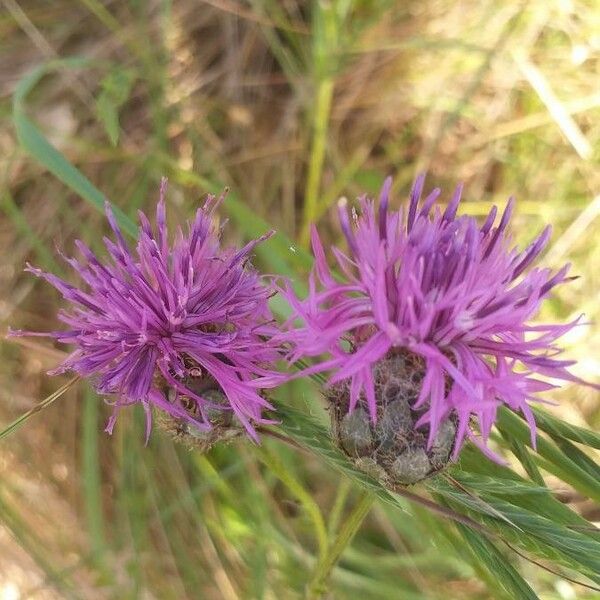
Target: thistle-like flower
(426,331)
(184,328)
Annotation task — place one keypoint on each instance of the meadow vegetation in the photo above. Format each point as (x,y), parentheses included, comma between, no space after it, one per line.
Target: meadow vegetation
(291,105)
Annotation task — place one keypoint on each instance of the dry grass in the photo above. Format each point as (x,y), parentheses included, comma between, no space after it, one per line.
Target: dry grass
(502,96)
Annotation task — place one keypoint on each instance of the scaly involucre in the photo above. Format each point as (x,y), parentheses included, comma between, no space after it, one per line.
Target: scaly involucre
(456,294)
(143,320)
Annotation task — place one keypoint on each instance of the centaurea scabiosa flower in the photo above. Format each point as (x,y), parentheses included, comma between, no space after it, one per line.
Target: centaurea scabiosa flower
(181,327)
(426,331)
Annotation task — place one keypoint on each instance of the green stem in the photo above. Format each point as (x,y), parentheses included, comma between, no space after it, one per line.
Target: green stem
(335,514)
(274,463)
(324,96)
(318,585)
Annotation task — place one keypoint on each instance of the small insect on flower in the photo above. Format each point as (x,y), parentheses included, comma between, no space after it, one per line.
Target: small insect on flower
(426,331)
(181,327)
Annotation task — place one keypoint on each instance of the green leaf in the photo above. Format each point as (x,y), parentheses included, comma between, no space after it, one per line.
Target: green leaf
(115,90)
(532,532)
(34,142)
(549,456)
(38,146)
(524,457)
(488,555)
(506,484)
(30,80)
(459,547)
(550,424)
(497,486)
(579,457)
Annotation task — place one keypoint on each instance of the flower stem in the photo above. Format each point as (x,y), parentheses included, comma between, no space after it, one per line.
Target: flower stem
(318,585)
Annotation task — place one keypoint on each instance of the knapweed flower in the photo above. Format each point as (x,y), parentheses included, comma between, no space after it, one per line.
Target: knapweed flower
(183,327)
(425,329)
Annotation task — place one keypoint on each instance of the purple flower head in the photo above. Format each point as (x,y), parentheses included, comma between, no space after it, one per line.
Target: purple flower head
(448,298)
(169,323)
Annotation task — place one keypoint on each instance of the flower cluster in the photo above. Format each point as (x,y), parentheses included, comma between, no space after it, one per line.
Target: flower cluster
(451,296)
(425,329)
(184,327)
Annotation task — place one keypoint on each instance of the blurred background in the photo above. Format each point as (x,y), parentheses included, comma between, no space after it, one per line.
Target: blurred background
(291,104)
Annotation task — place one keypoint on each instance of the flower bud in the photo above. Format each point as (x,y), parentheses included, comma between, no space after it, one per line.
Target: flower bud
(220,422)
(391,448)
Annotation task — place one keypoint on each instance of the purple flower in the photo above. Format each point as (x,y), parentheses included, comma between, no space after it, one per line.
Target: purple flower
(450,296)
(148,325)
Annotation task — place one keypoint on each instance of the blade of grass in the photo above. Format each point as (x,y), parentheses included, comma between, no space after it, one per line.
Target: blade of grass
(580,458)
(325,41)
(473,471)
(318,585)
(290,56)
(45,403)
(132,524)
(341,496)
(34,142)
(310,506)
(450,542)
(549,456)
(488,556)
(43,254)
(38,146)
(524,457)
(494,485)
(537,535)
(550,424)
(29,541)
(91,478)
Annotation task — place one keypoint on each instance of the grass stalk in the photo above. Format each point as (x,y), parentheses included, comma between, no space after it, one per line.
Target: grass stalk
(276,466)
(324,96)
(317,587)
(45,403)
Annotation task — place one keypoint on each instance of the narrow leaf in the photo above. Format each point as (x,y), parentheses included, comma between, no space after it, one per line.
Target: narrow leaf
(115,89)
(496,563)
(550,424)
